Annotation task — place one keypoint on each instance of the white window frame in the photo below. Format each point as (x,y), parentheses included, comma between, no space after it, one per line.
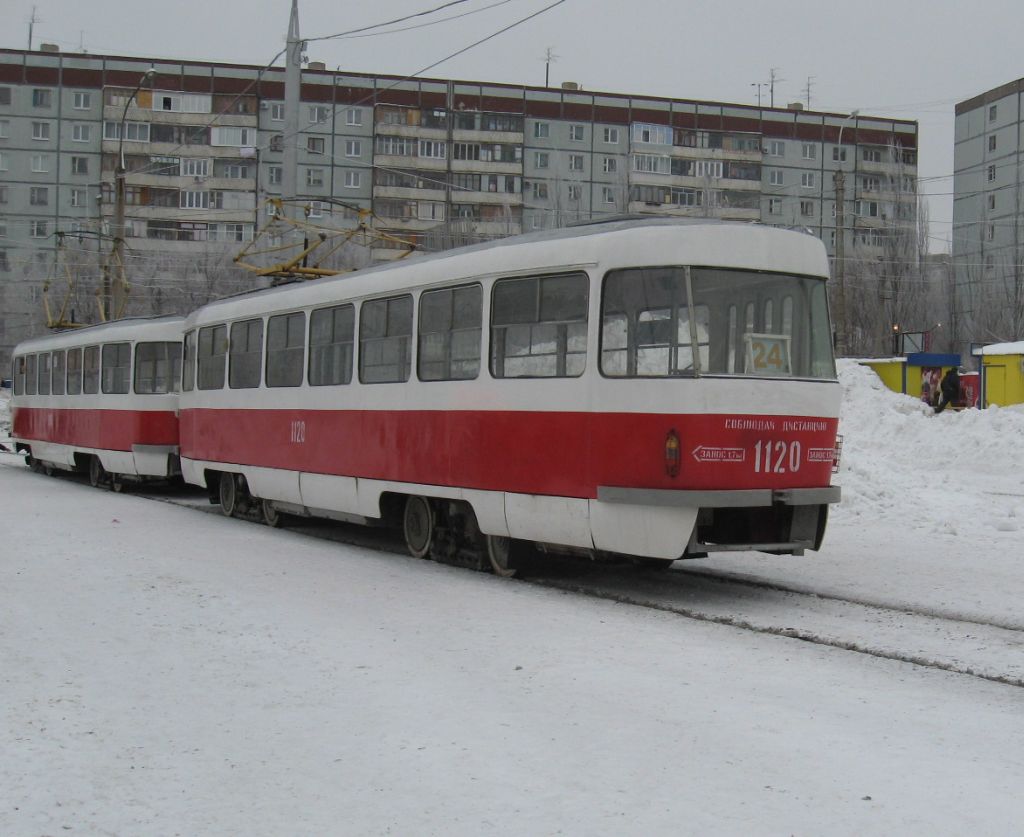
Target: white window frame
(79,197)
(541,159)
(37,229)
(79,160)
(611,136)
(81,132)
(318,114)
(353,179)
(277,111)
(576,162)
(776,177)
(353,148)
(82,100)
(316,145)
(576,133)
(774,206)
(432,149)
(775,148)
(315,178)
(540,190)
(354,116)
(809,150)
(610,165)
(41,131)
(39,163)
(607,194)
(808,180)
(541,130)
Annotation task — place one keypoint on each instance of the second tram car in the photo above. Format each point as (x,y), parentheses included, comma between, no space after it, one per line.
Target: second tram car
(101,400)
(655,388)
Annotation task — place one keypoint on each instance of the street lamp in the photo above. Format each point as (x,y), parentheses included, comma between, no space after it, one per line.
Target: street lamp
(115,298)
(840,183)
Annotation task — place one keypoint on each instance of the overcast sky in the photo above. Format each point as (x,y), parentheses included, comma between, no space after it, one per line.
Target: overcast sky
(908,59)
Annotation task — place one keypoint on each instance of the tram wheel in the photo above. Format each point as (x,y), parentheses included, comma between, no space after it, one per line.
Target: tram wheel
(418,526)
(228,494)
(270,515)
(97,473)
(500,552)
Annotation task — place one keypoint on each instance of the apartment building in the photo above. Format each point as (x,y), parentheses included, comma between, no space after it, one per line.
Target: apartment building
(438,162)
(988,213)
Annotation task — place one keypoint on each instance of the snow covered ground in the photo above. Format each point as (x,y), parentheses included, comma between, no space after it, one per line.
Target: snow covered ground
(164,671)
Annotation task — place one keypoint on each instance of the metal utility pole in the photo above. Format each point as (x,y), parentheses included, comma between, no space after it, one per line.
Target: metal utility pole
(807,90)
(772,78)
(292,97)
(32,21)
(549,58)
(840,182)
(115,297)
(758,85)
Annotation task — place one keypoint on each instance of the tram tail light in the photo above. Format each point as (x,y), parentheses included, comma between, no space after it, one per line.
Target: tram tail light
(673,455)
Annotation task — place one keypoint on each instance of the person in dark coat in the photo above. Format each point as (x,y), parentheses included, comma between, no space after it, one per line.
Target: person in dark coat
(949,390)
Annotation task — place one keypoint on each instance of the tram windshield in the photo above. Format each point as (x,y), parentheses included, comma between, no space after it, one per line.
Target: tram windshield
(667,321)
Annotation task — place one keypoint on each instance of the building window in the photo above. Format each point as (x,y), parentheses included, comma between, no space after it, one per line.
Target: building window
(78,197)
(576,133)
(317,114)
(807,179)
(5,95)
(872,155)
(79,165)
(809,151)
(867,209)
(992,201)
(992,143)
(775,177)
(385,340)
(838,154)
(40,163)
(709,168)
(40,130)
(314,177)
(353,148)
(331,339)
(807,208)
(277,142)
(992,113)
(449,334)
(654,134)
(39,196)
(315,145)
(608,194)
(275,175)
(3,189)
(575,192)
(277,112)
(775,148)
(540,190)
(5,129)
(611,136)
(353,179)
(354,116)
(610,165)
(539,326)
(42,98)
(432,149)
(990,232)
(83,101)
(541,130)
(774,206)
(3,161)
(80,132)
(540,159)
(133,131)
(575,162)
(991,173)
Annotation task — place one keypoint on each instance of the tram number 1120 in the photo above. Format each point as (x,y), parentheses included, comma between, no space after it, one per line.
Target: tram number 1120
(774,457)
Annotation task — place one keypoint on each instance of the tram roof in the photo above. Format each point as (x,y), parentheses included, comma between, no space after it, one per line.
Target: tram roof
(114,329)
(611,225)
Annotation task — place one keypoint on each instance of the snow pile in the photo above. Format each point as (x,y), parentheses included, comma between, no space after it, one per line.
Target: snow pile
(5,414)
(957,469)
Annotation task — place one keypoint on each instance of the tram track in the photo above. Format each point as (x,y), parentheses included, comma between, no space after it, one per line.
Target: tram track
(923,637)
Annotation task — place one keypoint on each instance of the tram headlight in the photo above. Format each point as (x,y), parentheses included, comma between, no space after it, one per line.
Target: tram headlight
(673,454)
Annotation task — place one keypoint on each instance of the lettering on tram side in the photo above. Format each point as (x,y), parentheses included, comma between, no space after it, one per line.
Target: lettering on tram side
(706,453)
(298,432)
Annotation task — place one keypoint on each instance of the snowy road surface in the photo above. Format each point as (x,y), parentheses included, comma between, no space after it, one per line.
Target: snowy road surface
(171,672)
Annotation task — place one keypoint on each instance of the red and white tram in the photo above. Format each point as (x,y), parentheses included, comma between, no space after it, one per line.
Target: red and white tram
(101,400)
(655,388)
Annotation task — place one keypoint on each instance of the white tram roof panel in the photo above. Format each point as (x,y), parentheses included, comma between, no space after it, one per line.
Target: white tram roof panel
(165,327)
(652,241)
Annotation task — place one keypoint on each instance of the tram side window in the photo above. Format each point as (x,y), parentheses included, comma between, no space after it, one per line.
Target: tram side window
(157,367)
(30,375)
(245,354)
(211,354)
(188,379)
(385,340)
(286,348)
(539,326)
(91,370)
(59,372)
(646,327)
(44,373)
(117,365)
(19,375)
(331,340)
(74,371)
(449,334)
